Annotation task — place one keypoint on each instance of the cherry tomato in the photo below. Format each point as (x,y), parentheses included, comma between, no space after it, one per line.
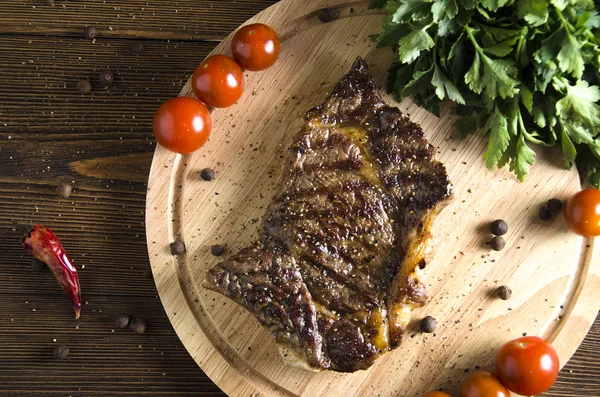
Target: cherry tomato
(255,46)
(527,365)
(437,394)
(182,124)
(483,384)
(218,81)
(583,213)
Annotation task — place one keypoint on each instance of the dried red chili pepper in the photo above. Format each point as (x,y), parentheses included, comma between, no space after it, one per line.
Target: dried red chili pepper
(43,244)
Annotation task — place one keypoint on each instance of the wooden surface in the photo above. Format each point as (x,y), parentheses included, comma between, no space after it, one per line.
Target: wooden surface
(249,149)
(103,142)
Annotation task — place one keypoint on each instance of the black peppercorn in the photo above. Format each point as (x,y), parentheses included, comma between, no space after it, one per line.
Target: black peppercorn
(217,250)
(499,227)
(177,247)
(37,265)
(498,243)
(106,78)
(138,325)
(324,15)
(137,47)
(148,273)
(554,205)
(545,214)
(207,174)
(84,86)
(121,321)
(428,324)
(504,292)
(61,352)
(89,32)
(48,2)
(63,190)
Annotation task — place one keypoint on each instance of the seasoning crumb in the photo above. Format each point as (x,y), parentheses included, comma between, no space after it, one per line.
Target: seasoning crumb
(499,227)
(137,47)
(207,174)
(61,352)
(428,324)
(37,265)
(545,214)
(64,190)
(504,292)
(90,32)
(121,321)
(554,205)
(498,243)
(84,86)
(217,250)
(324,15)
(138,325)
(106,78)
(177,247)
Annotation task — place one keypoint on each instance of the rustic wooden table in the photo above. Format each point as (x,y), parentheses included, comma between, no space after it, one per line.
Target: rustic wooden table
(102,143)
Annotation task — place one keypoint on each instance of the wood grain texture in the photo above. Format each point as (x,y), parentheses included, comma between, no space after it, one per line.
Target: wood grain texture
(103,143)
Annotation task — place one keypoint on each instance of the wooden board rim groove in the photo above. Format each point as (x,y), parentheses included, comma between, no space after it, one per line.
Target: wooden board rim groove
(251,379)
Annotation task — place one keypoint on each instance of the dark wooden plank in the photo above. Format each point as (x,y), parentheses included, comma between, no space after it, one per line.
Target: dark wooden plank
(181,20)
(103,144)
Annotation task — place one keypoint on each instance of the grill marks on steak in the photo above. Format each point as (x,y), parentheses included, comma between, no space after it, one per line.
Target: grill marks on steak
(333,273)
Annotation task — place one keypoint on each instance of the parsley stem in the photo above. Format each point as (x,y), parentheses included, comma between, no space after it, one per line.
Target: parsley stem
(563,21)
(472,38)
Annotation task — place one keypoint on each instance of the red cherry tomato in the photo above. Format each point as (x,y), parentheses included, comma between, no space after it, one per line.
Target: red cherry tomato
(527,365)
(218,81)
(182,124)
(255,46)
(437,394)
(583,213)
(483,384)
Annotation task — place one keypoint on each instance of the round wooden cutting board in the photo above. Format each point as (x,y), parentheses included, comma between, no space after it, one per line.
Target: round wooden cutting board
(554,274)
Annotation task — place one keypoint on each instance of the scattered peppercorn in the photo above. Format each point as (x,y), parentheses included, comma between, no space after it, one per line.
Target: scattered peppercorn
(324,15)
(504,292)
(121,321)
(63,190)
(498,243)
(554,205)
(545,214)
(148,273)
(48,2)
(428,324)
(89,32)
(37,265)
(61,352)
(217,250)
(84,86)
(137,47)
(106,78)
(499,227)
(177,247)
(138,325)
(208,174)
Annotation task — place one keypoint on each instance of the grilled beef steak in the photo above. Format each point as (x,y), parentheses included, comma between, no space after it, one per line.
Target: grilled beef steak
(333,274)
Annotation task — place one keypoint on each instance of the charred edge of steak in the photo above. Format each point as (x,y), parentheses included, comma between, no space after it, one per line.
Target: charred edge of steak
(300,282)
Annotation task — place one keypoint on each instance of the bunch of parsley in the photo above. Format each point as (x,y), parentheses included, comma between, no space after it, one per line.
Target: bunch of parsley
(520,71)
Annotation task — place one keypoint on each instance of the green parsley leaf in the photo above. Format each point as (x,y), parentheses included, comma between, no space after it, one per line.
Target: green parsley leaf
(525,157)
(568,149)
(445,86)
(579,104)
(498,139)
(412,9)
(535,12)
(444,9)
(411,45)
(569,57)
(493,77)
